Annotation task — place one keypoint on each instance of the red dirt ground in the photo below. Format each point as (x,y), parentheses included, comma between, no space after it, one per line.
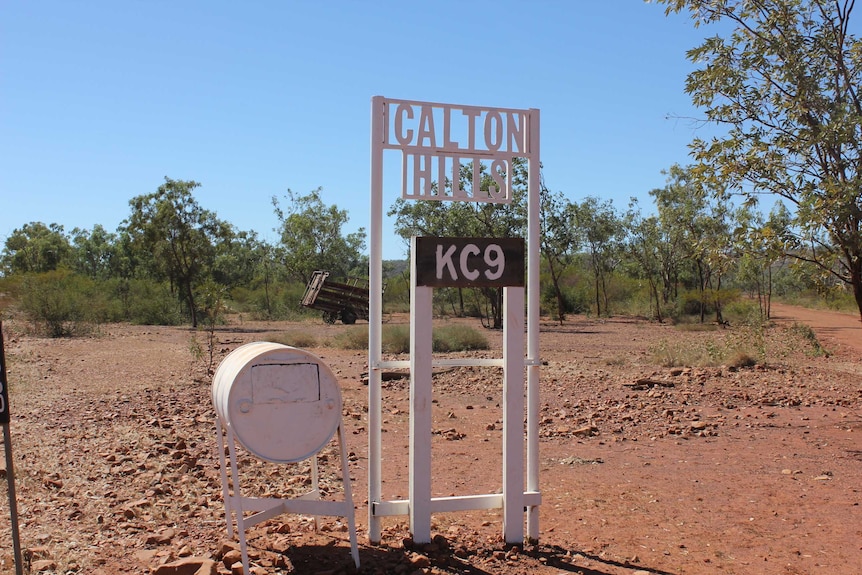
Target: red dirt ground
(701,470)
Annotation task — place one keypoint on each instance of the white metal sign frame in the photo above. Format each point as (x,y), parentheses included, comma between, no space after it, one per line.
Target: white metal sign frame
(434,140)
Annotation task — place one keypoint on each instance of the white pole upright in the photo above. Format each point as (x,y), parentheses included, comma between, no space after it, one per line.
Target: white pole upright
(513,414)
(533,312)
(421,336)
(375,315)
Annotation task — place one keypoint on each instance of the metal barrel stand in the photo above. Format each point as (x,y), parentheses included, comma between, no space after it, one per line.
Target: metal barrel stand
(283,405)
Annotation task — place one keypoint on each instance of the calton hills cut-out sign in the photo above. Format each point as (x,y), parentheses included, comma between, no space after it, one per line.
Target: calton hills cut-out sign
(437,140)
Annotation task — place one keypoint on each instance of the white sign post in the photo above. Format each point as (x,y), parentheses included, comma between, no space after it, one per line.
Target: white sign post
(435,140)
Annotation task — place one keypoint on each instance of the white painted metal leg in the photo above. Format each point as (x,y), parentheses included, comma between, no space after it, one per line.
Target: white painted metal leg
(225,493)
(315,482)
(513,415)
(236,504)
(533,450)
(421,331)
(348,498)
(533,313)
(375,315)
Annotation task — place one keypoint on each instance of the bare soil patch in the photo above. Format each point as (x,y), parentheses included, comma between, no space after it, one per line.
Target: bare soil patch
(645,468)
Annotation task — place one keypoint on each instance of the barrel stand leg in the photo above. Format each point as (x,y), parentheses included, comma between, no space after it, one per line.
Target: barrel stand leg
(236,504)
(349,511)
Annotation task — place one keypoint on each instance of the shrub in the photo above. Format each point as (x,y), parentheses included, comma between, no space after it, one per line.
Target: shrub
(61,304)
(396,338)
(711,347)
(294,338)
(355,337)
(458,337)
(150,303)
(806,333)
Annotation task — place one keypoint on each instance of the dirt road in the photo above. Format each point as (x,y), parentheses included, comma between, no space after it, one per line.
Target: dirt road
(833,328)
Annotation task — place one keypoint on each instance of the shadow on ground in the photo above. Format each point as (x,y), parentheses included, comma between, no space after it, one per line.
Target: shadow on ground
(332,557)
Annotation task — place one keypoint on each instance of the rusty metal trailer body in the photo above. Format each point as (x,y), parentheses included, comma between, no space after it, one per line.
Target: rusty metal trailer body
(345,301)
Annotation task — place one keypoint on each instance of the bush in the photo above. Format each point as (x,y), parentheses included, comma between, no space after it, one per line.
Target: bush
(458,337)
(149,303)
(396,339)
(355,337)
(293,338)
(61,304)
(709,346)
(805,332)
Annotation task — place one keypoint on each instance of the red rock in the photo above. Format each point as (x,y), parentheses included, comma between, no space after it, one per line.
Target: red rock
(43,565)
(187,566)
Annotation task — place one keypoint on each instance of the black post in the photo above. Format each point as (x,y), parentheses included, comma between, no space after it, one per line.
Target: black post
(7,447)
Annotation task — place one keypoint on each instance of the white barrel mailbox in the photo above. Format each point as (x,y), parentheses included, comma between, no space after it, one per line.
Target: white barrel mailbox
(282,403)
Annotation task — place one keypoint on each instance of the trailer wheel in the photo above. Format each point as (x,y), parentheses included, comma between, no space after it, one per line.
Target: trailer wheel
(330,316)
(348,316)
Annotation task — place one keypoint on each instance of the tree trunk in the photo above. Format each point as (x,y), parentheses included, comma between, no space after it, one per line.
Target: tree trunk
(598,300)
(856,281)
(192,308)
(558,293)
(769,292)
(654,294)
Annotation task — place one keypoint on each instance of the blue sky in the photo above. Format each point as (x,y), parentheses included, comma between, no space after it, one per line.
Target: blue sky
(99,101)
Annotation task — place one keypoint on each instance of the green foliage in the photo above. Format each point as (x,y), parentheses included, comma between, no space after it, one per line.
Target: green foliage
(276,302)
(61,304)
(574,295)
(396,296)
(176,238)
(692,261)
(559,247)
(469,219)
(601,231)
(395,339)
(35,248)
(146,302)
(785,83)
(749,341)
(96,253)
(743,348)
(10,287)
(744,311)
(312,238)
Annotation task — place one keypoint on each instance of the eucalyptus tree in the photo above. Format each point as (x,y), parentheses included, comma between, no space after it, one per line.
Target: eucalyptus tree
(693,219)
(761,245)
(785,83)
(175,237)
(602,232)
(36,248)
(95,252)
(237,258)
(312,237)
(644,248)
(559,242)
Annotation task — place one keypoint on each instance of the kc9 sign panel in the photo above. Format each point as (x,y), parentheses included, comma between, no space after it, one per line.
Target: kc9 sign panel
(469,262)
